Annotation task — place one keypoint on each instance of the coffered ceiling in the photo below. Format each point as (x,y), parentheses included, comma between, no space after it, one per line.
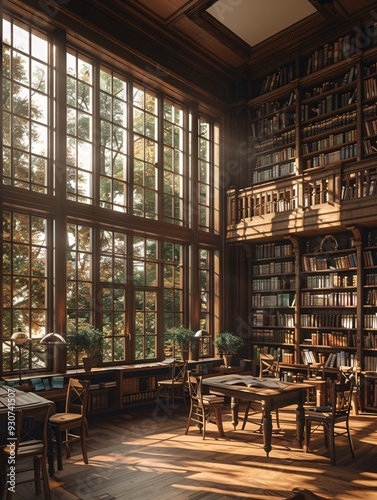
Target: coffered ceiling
(233,32)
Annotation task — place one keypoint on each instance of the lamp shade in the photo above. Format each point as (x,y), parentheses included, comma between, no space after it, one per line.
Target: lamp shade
(201,333)
(52,338)
(19,338)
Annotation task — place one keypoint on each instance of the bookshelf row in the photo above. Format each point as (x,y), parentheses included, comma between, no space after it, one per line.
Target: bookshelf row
(312,120)
(331,308)
(112,388)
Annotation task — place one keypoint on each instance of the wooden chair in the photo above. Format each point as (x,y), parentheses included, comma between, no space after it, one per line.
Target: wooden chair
(174,387)
(268,368)
(30,446)
(333,418)
(73,421)
(203,408)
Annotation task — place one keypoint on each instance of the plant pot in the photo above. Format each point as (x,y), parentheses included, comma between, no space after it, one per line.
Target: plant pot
(184,354)
(88,363)
(227,360)
(194,351)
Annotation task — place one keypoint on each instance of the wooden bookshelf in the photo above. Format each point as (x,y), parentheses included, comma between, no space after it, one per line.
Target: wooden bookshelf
(328,301)
(115,388)
(272,299)
(306,298)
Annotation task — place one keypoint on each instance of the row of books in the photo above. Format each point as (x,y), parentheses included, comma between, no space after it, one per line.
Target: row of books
(348,77)
(329,320)
(333,359)
(371,279)
(331,280)
(39,384)
(371,298)
(370,363)
(332,299)
(136,384)
(325,263)
(334,122)
(281,319)
(332,339)
(274,171)
(370,389)
(370,146)
(370,340)
(98,400)
(139,397)
(273,250)
(369,110)
(273,319)
(276,300)
(273,283)
(370,321)
(266,160)
(329,142)
(330,103)
(370,127)
(273,267)
(264,144)
(273,106)
(266,335)
(323,159)
(370,88)
(370,260)
(273,124)
(273,351)
(331,53)
(282,76)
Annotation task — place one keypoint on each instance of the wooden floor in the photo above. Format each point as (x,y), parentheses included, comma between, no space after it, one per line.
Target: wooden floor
(145,454)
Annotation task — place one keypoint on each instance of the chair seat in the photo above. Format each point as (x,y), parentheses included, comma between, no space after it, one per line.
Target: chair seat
(61,418)
(209,400)
(31,449)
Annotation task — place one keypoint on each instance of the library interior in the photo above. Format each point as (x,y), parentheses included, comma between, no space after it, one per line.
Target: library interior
(189,271)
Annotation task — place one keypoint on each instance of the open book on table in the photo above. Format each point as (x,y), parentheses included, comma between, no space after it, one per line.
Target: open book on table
(250,381)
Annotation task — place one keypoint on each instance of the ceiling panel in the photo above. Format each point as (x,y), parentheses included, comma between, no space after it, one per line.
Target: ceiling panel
(256,20)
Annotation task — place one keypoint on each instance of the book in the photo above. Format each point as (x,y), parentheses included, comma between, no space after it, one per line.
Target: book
(250,381)
(38,384)
(57,382)
(46,383)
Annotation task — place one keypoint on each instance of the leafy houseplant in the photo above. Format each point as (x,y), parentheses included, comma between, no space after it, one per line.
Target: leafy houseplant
(228,344)
(184,337)
(89,340)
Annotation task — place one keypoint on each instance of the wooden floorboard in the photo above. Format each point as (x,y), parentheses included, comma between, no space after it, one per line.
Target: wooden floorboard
(145,455)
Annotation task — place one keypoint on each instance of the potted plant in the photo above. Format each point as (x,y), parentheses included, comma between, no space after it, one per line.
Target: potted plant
(89,340)
(228,344)
(185,338)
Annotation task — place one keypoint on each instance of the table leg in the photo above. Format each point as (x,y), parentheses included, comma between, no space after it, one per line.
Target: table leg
(234,406)
(267,427)
(219,420)
(300,418)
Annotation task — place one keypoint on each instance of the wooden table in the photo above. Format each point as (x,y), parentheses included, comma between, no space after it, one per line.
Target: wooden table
(286,394)
(23,400)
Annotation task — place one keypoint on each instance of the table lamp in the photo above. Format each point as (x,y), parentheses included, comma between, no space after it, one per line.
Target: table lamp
(56,348)
(52,338)
(201,335)
(19,338)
